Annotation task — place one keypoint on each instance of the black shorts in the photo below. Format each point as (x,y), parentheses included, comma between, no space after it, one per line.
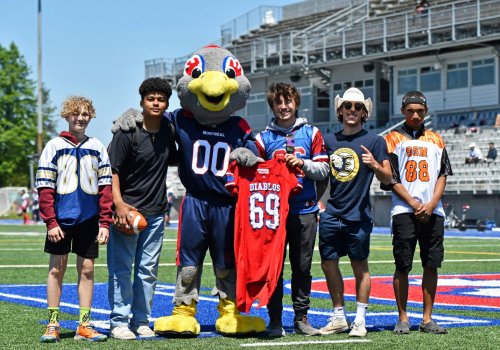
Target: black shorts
(81,240)
(407,230)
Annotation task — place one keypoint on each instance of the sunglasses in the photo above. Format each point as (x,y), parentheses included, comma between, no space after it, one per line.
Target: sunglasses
(420,112)
(357,106)
(289,144)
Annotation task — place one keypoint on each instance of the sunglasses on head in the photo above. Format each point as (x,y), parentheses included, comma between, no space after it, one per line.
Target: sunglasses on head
(357,106)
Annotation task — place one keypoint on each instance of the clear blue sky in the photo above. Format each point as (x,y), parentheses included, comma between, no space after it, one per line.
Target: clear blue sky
(97,48)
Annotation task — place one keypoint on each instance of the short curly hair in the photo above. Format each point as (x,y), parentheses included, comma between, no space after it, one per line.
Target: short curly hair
(155,85)
(288,91)
(72,104)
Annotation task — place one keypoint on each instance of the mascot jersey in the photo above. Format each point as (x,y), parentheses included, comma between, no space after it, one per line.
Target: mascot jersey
(417,162)
(204,153)
(308,144)
(260,226)
(71,170)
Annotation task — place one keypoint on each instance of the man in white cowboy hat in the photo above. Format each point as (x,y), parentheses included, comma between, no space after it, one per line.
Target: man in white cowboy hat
(355,156)
(475,154)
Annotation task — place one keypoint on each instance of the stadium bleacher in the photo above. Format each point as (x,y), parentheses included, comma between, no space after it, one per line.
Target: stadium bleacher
(478,178)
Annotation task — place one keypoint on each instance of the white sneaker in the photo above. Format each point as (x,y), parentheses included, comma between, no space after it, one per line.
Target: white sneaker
(144,331)
(335,325)
(122,332)
(358,329)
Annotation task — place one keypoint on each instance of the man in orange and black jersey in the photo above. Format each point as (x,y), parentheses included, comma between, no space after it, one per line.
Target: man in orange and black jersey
(420,165)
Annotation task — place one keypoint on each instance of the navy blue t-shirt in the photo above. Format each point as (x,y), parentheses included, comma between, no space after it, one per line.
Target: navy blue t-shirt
(350,178)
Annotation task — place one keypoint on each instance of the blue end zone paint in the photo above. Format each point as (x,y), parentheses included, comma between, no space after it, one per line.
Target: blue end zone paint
(34,296)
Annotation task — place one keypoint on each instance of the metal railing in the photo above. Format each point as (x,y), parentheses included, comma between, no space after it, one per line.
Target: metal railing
(447,23)
(395,34)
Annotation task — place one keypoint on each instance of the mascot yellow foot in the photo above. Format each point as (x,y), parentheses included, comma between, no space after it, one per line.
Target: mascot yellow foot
(231,323)
(182,323)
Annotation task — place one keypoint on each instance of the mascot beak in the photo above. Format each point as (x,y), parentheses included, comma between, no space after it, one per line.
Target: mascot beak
(213,90)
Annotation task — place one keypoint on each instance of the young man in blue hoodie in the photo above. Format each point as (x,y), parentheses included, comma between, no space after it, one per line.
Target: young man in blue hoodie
(303,146)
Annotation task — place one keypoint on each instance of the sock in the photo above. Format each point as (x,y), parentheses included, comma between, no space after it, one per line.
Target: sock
(339,312)
(53,314)
(360,312)
(84,314)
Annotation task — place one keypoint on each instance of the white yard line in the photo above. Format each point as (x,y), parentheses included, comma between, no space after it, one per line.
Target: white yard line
(312,342)
(344,262)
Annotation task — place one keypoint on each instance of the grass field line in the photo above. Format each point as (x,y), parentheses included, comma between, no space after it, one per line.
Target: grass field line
(19,249)
(42,300)
(311,342)
(447,251)
(342,262)
(33,233)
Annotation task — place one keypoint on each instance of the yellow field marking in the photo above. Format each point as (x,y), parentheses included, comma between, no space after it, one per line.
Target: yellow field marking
(470,253)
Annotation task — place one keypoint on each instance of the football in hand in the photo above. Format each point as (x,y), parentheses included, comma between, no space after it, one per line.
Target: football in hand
(136,223)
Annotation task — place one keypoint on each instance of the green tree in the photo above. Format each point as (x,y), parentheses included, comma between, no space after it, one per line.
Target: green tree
(18,117)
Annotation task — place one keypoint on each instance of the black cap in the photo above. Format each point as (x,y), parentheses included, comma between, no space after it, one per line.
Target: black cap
(414,97)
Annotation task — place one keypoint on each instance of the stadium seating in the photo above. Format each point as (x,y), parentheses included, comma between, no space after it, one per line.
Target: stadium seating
(480,178)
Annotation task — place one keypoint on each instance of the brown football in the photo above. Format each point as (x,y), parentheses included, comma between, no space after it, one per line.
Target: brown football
(136,223)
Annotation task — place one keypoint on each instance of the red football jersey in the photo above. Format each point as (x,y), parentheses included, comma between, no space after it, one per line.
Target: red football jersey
(260,226)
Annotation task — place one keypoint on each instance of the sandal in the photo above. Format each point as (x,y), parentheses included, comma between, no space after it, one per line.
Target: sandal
(432,327)
(402,327)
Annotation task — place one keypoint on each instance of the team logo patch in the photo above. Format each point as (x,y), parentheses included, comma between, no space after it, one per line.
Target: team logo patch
(344,164)
(454,291)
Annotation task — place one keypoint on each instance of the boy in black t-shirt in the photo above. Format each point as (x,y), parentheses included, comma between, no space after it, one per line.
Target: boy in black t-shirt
(139,161)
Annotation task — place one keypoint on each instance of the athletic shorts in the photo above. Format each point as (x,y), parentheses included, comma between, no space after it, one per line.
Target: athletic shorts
(339,237)
(81,240)
(205,226)
(407,230)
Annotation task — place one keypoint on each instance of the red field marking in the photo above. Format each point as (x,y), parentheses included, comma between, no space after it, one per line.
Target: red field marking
(477,290)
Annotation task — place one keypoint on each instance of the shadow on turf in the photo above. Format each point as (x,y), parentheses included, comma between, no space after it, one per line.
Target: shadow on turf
(210,329)
(66,334)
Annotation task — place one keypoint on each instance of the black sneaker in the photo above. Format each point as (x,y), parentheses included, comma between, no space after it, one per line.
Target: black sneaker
(275,329)
(302,326)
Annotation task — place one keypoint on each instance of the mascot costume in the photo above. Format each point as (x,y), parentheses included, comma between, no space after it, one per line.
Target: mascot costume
(213,87)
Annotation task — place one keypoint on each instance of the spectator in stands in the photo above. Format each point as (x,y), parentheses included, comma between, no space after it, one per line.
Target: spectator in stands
(492,153)
(420,166)
(461,129)
(475,155)
(355,156)
(422,7)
